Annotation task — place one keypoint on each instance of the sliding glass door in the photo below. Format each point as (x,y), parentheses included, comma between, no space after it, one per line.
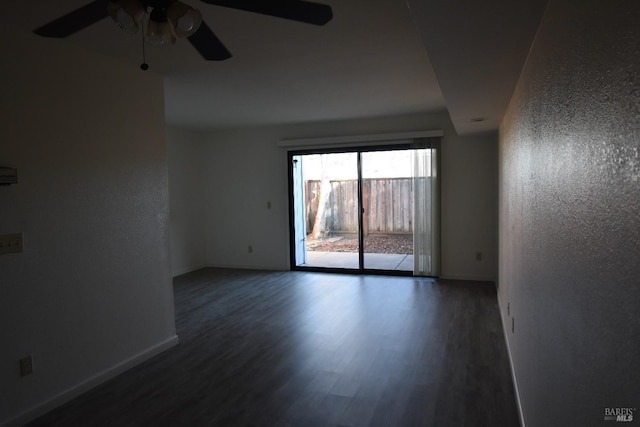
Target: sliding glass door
(365,210)
(387,202)
(326,210)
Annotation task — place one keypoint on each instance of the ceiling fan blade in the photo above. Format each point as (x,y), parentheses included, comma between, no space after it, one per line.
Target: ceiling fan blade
(74,21)
(295,10)
(208,44)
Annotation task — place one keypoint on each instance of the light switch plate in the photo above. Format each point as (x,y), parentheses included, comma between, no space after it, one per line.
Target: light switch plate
(11,243)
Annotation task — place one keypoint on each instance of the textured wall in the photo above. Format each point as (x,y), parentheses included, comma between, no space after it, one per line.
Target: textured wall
(570,215)
(92,289)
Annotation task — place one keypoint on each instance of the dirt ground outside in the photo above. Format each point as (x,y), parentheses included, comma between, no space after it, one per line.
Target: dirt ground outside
(376,244)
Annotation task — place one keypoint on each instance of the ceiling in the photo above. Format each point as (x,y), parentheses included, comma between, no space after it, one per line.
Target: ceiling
(477,50)
(370,60)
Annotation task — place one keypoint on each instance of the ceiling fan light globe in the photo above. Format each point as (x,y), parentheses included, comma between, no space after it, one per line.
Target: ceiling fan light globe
(127,14)
(159,33)
(125,21)
(185,24)
(185,19)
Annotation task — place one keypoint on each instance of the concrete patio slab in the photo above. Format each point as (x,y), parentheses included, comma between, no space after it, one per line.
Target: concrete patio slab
(397,262)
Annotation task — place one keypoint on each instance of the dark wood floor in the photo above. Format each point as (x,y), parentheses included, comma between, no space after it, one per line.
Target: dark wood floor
(313,349)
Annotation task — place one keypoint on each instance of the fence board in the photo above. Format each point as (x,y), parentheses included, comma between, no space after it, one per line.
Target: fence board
(388,205)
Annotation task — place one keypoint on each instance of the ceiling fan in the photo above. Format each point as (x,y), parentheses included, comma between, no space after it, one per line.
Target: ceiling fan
(164,20)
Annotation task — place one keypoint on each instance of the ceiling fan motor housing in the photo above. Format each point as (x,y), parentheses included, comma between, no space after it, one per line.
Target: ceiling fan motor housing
(162,4)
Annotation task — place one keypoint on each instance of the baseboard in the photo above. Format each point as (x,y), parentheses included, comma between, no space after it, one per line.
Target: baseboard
(513,372)
(186,270)
(469,278)
(84,386)
(249,267)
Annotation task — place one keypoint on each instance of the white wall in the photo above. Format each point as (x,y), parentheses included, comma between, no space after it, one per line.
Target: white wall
(470,207)
(91,294)
(245,170)
(186,201)
(570,216)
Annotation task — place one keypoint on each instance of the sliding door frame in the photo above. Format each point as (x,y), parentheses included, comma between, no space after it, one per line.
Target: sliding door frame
(358,149)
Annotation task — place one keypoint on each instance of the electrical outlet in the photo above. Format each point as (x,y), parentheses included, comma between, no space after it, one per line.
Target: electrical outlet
(11,243)
(26,366)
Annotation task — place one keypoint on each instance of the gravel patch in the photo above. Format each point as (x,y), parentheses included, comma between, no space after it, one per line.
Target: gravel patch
(377,244)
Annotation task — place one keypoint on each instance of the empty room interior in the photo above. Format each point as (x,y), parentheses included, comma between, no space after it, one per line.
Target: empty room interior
(160,264)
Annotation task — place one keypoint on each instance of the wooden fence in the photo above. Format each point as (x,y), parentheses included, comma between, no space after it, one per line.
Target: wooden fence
(387,202)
